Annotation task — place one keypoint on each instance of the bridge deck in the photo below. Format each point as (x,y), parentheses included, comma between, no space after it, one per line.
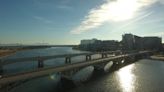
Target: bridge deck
(46,71)
(44,58)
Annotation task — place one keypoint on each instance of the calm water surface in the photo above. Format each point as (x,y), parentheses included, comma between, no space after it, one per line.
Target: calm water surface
(142,76)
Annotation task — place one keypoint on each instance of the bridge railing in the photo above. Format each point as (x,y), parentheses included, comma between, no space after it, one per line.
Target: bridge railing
(4,79)
(42,59)
(6,61)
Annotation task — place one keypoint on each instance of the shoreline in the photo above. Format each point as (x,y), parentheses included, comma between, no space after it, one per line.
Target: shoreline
(4,53)
(157,57)
(9,51)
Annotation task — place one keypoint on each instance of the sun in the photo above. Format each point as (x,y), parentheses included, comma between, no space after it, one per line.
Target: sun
(112,11)
(121,9)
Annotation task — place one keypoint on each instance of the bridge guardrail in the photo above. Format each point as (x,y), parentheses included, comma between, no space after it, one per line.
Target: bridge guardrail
(44,58)
(44,71)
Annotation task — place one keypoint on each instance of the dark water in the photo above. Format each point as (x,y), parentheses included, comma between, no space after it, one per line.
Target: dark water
(142,76)
(24,66)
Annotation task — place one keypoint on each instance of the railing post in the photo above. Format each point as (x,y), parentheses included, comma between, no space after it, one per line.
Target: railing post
(1,67)
(88,57)
(106,55)
(40,62)
(67,60)
(102,55)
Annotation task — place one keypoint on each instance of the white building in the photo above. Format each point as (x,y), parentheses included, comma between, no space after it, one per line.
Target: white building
(85,42)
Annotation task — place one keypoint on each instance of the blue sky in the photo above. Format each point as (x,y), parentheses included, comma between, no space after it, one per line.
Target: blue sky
(69,21)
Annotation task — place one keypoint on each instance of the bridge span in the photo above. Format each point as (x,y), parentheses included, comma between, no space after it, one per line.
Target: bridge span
(41,71)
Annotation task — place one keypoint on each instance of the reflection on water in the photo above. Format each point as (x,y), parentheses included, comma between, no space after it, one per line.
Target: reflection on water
(55,77)
(143,76)
(126,78)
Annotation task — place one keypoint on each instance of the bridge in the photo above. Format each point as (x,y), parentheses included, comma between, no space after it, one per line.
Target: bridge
(69,68)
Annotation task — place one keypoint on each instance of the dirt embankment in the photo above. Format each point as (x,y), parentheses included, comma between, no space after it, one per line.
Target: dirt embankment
(6,52)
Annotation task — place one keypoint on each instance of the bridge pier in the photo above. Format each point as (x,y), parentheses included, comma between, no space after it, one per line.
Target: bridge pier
(1,67)
(67,60)
(40,63)
(138,57)
(146,55)
(117,53)
(100,66)
(104,55)
(115,65)
(88,57)
(69,74)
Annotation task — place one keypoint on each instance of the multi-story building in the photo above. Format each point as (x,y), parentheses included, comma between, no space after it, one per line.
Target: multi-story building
(98,45)
(152,43)
(88,41)
(128,42)
(133,42)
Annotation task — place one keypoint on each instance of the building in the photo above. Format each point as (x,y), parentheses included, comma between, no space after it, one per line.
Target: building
(88,41)
(128,41)
(152,43)
(99,45)
(133,42)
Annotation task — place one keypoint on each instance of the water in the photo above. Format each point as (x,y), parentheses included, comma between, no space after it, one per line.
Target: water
(142,76)
(26,66)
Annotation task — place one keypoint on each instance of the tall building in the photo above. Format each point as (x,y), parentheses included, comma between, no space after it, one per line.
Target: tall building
(152,43)
(88,41)
(98,45)
(133,42)
(128,41)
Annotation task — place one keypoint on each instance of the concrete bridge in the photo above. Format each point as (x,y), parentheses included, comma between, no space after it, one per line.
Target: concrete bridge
(68,69)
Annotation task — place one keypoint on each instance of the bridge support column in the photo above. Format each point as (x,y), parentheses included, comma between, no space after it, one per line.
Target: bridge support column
(40,63)
(67,60)
(117,53)
(104,55)
(115,65)
(147,55)
(1,67)
(88,57)
(127,60)
(138,57)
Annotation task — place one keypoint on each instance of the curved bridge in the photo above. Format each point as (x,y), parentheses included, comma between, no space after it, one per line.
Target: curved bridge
(68,68)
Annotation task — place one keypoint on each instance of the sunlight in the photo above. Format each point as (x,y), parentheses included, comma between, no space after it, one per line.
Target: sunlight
(111,11)
(122,9)
(126,78)
(55,77)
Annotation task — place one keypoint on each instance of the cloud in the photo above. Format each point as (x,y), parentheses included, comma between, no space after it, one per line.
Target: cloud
(61,4)
(111,11)
(65,7)
(65,1)
(161,1)
(160,34)
(64,4)
(124,26)
(42,19)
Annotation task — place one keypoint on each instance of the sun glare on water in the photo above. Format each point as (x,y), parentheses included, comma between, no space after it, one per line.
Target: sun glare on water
(126,78)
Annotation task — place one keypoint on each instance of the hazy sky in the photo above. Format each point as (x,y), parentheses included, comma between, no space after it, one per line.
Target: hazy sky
(69,21)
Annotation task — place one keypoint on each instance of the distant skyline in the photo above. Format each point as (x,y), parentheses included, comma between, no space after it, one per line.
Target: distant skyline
(69,21)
